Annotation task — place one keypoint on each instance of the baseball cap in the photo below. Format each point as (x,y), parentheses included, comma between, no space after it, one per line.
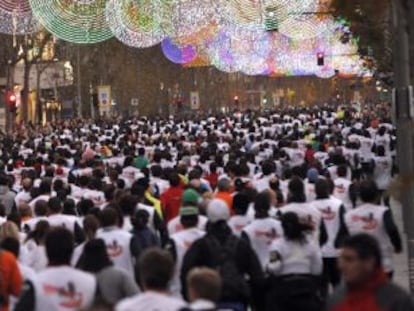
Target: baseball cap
(188,211)
(190,196)
(217,210)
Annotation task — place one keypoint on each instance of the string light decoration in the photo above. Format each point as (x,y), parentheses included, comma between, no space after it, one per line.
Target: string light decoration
(77,21)
(135,23)
(185,17)
(176,54)
(303,27)
(16,18)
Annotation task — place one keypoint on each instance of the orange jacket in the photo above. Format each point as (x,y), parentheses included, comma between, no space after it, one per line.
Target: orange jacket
(10,278)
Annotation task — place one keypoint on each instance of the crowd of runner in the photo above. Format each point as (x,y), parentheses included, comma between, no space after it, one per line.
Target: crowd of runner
(278,211)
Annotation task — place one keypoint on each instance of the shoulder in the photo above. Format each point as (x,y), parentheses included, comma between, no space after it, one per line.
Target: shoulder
(392,297)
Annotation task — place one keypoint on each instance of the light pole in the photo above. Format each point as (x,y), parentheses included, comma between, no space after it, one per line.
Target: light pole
(404,115)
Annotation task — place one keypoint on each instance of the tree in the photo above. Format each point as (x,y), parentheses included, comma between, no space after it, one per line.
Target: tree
(371,22)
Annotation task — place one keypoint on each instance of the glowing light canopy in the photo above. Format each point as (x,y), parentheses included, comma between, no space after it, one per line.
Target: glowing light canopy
(16,17)
(78,21)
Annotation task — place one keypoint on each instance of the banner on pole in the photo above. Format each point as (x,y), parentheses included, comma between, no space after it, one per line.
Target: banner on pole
(104,99)
(195,100)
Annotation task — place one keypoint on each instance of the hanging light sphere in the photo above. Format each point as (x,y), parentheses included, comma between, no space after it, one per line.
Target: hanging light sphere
(176,54)
(77,21)
(135,23)
(16,17)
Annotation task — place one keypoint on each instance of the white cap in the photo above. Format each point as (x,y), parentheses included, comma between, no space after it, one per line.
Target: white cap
(217,210)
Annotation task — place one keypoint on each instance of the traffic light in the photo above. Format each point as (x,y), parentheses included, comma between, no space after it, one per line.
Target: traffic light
(236,100)
(321,59)
(11,101)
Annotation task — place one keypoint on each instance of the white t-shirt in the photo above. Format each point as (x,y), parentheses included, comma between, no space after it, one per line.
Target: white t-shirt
(295,257)
(150,301)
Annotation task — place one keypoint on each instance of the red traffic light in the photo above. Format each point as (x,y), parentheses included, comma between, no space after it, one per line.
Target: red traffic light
(321,58)
(12,98)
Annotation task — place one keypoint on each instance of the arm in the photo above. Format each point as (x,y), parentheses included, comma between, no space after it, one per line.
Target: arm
(78,234)
(323,234)
(129,287)
(343,230)
(316,260)
(392,231)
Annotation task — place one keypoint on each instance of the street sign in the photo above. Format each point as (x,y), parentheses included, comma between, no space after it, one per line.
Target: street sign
(134,102)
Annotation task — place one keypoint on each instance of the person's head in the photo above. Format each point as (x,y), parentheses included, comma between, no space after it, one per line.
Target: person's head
(268,168)
(25,210)
(174,179)
(155,269)
(293,228)
(59,246)
(140,219)
(204,283)
(190,198)
(11,245)
(360,259)
(342,171)
(224,185)
(241,203)
(9,229)
(189,216)
(27,184)
(94,257)
(38,234)
(108,217)
(45,186)
(69,207)
(296,190)
(262,205)
(40,208)
(55,205)
(368,191)
(322,189)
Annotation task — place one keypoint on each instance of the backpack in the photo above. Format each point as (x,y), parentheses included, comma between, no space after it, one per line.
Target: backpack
(234,285)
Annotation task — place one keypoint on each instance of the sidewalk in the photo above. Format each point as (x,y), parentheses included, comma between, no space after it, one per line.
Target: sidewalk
(401,276)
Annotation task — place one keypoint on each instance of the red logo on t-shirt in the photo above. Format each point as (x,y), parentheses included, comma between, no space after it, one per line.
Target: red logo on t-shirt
(114,249)
(327,213)
(369,222)
(68,297)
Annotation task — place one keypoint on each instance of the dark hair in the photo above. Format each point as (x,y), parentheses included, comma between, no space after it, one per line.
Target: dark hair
(40,208)
(189,221)
(262,204)
(293,229)
(366,246)
(84,206)
(12,245)
(38,234)
(108,217)
(156,268)
(140,219)
(322,189)
(59,246)
(69,207)
(296,190)
(55,205)
(174,179)
(45,186)
(241,203)
(94,257)
(368,191)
